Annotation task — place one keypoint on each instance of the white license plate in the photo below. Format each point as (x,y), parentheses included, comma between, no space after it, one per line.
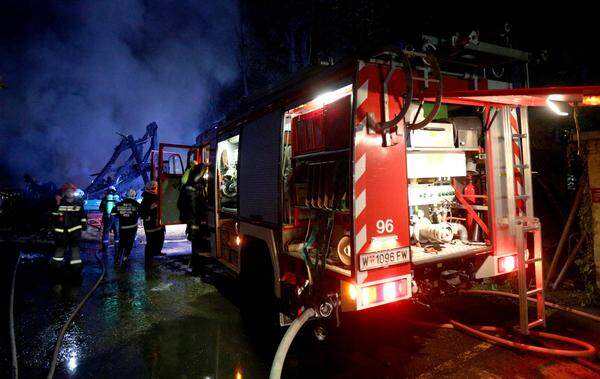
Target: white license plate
(384,258)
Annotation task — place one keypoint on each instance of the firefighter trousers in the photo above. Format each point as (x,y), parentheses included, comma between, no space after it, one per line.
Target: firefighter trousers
(126,244)
(155,238)
(109,223)
(66,241)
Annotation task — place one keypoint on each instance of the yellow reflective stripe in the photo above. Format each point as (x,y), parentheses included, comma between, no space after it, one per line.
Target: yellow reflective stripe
(59,259)
(75,261)
(74,228)
(153,230)
(69,208)
(129,226)
(59,230)
(84,220)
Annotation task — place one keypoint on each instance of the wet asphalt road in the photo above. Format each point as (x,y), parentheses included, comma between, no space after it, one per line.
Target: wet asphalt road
(164,323)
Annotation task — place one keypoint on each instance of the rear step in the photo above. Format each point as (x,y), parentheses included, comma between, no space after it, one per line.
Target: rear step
(449,251)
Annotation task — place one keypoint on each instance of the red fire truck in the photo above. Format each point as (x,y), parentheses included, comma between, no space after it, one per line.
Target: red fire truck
(373,181)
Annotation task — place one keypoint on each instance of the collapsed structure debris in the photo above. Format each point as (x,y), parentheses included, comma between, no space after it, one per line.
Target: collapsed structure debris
(129,166)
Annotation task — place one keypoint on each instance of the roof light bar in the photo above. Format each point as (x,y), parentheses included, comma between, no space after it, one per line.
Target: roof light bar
(591,100)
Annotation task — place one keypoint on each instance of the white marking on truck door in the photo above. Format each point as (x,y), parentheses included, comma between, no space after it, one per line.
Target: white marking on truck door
(360,239)
(360,203)
(360,167)
(361,94)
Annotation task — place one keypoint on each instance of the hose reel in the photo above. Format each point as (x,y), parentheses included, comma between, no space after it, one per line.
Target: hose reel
(398,56)
(432,61)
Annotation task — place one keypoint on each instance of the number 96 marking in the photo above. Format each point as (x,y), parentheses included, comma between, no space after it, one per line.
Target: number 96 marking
(385,226)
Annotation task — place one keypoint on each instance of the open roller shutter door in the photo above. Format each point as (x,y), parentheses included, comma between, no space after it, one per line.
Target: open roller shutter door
(259,168)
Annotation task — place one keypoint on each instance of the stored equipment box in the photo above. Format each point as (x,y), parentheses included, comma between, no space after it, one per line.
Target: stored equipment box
(434,134)
(324,129)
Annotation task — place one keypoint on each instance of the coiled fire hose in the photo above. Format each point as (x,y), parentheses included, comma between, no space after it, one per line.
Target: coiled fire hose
(589,350)
(484,332)
(287,340)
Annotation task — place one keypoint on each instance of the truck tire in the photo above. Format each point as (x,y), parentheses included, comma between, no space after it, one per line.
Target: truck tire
(257,297)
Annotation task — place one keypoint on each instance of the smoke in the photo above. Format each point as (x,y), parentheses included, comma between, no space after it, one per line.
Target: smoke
(82,71)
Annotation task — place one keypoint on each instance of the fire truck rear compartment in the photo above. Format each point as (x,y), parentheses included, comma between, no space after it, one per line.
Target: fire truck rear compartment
(444,158)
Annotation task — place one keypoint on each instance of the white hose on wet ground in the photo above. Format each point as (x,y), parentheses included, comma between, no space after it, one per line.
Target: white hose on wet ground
(287,340)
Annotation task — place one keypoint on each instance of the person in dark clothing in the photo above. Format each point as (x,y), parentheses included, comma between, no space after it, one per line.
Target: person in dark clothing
(155,232)
(194,204)
(128,213)
(69,220)
(193,211)
(109,222)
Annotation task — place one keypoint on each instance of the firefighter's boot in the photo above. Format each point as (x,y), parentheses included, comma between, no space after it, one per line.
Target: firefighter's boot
(57,262)
(118,254)
(75,265)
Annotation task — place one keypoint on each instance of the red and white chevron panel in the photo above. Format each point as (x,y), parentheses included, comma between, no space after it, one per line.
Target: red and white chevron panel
(380,181)
(518,161)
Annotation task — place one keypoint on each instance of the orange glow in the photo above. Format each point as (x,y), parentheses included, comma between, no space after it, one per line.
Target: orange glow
(352,291)
(238,374)
(238,240)
(389,291)
(591,100)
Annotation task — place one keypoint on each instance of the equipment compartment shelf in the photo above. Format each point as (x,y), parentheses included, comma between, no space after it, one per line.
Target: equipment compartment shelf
(448,251)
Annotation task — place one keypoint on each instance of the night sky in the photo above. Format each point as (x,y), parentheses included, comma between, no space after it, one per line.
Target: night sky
(77,72)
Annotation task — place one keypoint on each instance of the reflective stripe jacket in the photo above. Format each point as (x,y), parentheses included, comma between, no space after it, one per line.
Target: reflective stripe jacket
(128,212)
(70,216)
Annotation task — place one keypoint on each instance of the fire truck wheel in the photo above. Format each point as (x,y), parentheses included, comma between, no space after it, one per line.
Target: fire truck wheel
(257,297)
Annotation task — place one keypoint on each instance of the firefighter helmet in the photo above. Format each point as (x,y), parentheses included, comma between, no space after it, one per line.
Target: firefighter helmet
(131,193)
(152,186)
(112,189)
(68,186)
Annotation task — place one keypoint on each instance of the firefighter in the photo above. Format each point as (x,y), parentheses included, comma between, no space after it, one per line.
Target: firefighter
(109,222)
(193,211)
(128,213)
(155,232)
(70,220)
(185,195)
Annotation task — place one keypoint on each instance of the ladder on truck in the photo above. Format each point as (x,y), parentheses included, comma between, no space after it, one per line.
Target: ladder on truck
(525,228)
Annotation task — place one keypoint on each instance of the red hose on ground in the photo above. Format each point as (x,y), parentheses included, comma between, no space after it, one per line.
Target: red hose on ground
(480,331)
(548,304)
(589,350)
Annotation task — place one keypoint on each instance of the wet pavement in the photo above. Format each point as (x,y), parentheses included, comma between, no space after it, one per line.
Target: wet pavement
(164,323)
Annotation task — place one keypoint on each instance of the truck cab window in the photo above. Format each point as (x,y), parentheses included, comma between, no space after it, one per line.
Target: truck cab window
(227,174)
